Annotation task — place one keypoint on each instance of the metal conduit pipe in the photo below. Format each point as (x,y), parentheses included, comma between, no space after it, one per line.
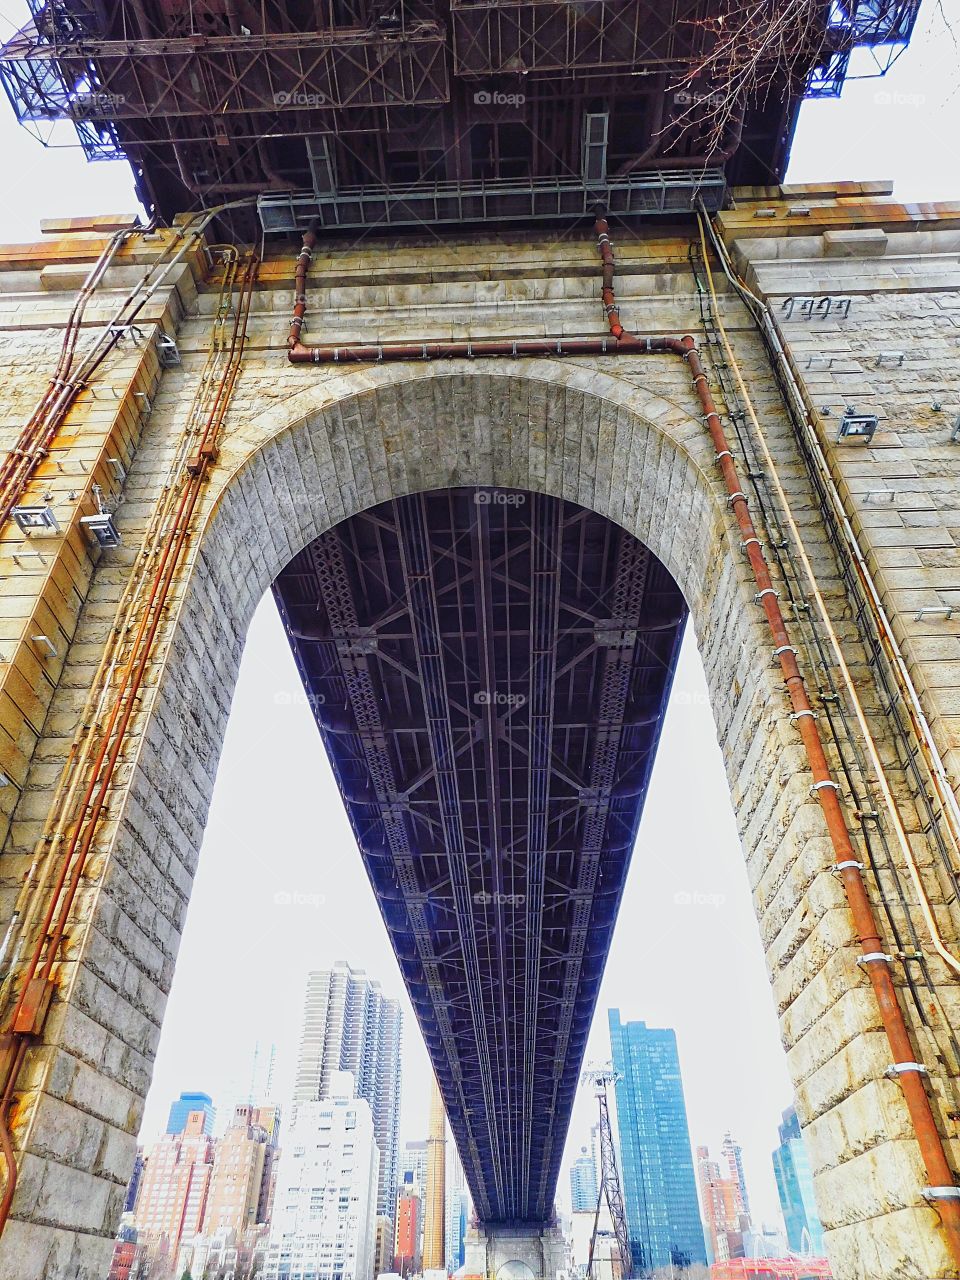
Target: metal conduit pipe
(879,771)
(36,985)
(63,390)
(809,439)
(62,806)
(942,1190)
(17,465)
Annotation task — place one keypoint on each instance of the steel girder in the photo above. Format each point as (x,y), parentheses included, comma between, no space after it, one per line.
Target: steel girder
(488,670)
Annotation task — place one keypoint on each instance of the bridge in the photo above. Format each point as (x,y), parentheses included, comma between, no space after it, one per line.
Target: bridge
(489,670)
(488,662)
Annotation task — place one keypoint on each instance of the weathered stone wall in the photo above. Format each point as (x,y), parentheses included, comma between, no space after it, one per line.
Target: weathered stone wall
(305,447)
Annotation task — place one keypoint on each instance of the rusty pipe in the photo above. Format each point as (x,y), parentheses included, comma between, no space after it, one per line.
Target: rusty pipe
(78,847)
(607,295)
(304,259)
(875,961)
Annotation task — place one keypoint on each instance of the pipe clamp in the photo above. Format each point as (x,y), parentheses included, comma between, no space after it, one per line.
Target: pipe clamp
(871,956)
(734,496)
(899,1068)
(846,865)
(767,591)
(824,782)
(798,715)
(941,1193)
(784,648)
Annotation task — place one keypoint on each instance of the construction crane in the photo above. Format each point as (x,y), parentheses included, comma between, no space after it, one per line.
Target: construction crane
(600,1077)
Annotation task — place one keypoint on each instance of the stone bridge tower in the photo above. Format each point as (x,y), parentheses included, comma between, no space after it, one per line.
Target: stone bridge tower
(196,460)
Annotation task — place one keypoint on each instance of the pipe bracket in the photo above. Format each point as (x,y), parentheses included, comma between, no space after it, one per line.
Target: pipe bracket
(846,865)
(735,496)
(941,1193)
(798,715)
(899,1068)
(767,591)
(872,956)
(785,648)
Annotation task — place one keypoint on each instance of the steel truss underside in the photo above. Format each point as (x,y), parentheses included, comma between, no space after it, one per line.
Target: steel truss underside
(489,671)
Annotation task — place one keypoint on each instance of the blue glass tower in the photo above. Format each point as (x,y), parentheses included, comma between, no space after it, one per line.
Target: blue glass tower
(659,1188)
(187,1102)
(791,1168)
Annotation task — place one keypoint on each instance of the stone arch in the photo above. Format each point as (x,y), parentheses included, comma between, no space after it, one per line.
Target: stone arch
(288,473)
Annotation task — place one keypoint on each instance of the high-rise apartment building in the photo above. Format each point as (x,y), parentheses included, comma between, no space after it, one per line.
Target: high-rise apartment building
(187,1103)
(174,1187)
(733,1155)
(325,1207)
(583,1183)
(349,1025)
(406,1248)
(240,1166)
(791,1167)
(458,1207)
(659,1188)
(722,1199)
(413,1164)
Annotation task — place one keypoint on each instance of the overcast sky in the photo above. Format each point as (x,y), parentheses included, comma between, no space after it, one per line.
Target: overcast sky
(686,953)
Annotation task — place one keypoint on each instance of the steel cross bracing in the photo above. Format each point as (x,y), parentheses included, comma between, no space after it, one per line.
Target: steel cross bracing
(279,74)
(488,670)
(491,37)
(356,103)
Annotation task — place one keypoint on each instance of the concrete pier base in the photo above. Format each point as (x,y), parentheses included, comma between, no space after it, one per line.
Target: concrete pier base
(538,1253)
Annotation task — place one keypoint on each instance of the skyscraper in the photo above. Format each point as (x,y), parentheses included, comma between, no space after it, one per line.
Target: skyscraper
(406,1247)
(733,1155)
(349,1025)
(659,1188)
(791,1167)
(413,1164)
(325,1212)
(722,1198)
(184,1105)
(458,1207)
(174,1187)
(241,1163)
(583,1183)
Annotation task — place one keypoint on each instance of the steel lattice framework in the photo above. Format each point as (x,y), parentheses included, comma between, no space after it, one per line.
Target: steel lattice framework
(364,100)
(489,671)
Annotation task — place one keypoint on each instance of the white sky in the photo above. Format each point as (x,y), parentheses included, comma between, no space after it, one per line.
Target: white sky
(277,825)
